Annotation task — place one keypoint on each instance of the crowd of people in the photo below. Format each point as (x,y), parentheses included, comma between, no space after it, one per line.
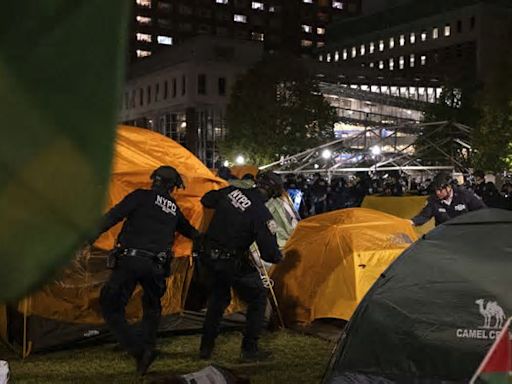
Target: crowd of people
(318,195)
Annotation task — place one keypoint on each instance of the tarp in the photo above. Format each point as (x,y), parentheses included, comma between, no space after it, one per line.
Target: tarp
(405,207)
(68,308)
(434,313)
(61,65)
(332,259)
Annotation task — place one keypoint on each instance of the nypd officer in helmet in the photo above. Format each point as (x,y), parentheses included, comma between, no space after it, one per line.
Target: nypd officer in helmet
(447,202)
(142,256)
(240,218)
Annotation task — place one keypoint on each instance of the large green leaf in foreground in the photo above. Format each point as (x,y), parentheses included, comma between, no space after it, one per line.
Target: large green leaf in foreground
(60,70)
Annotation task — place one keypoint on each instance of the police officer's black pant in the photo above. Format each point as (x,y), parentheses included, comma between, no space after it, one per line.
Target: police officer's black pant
(116,293)
(249,288)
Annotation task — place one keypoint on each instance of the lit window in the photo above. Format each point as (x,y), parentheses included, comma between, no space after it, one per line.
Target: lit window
(257,5)
(402,40)
(144,3)
(337,4)
(221,1)
(412,38)
(144,37)
(447,30)
(141,53)
(320,43)
(328,57)
(381,45)
(391,64)
(372,47)
(142,20)
(306,43)
(320,31)
(435,33)
(424,36)
(257,36)
(307,28)
(423,60)
(240,18)
(336,56)
(345,55)
(391,42)
(401,62)
(272,8)
(412,60)
(372,64)
(381,64)
(354,52)
(320,57)
(362,50)
(307,1)
(165,40)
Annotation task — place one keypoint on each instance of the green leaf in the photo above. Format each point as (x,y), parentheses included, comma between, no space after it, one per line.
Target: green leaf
(61,67)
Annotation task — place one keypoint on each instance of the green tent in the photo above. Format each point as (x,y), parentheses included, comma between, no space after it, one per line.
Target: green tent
(434,313)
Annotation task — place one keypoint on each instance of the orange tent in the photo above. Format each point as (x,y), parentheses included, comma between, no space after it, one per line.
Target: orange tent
(405,207)
(332,259)
(67,309)
(137,153)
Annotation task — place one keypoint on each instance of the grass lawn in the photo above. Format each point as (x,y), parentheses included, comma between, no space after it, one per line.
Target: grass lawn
(297,359)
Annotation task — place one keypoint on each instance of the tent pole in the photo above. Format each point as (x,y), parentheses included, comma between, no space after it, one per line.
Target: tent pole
(268,283)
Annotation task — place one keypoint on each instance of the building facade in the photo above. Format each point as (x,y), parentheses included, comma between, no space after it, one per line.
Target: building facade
(387,66)
(183,91)
(295,25)
(424,44)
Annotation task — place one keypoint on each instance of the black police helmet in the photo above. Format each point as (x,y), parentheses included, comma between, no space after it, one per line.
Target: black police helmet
(167,176)
(442,180)
(270,182)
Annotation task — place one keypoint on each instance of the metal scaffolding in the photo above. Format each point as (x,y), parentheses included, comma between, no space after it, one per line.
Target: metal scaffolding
(384,149)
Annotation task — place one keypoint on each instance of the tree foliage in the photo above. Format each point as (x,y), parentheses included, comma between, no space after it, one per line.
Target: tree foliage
(492,138)
(276,109)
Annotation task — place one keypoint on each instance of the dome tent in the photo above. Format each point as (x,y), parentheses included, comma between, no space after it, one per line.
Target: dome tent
(430,310)
(67,309)
(332,259)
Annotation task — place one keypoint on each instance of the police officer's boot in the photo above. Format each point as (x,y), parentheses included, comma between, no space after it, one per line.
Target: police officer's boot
(251,352)
(145,360)
(206,348)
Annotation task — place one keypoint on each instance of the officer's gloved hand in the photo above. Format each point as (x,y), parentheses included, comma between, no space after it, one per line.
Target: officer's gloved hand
(198,244)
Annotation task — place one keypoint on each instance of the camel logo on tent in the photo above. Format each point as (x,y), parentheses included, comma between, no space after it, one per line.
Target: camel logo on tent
(491,311)
(493,319)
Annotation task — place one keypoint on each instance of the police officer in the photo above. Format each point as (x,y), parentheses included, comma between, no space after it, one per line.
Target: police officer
(447,202)
(142,255)
(240,218)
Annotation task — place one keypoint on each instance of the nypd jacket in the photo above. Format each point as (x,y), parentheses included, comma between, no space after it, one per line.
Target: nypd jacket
(152,218)
(240,218)
(463,201)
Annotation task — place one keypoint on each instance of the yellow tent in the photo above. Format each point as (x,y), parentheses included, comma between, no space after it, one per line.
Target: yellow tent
(67,309)
(405,207)
(332,259)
